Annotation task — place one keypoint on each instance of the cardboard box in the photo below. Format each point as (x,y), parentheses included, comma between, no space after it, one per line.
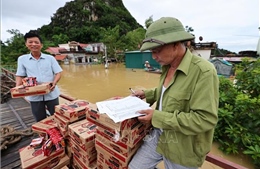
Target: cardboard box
(88,152)
(111,158)
(56,163)
(104,162)
(31,158)
(131,139)
(62,124)
(77,164)
(87,157)
(61,121)
(83,133)
(119,146)
(73,111)
(21,91)
(87,161)
(44,125)
(104,121)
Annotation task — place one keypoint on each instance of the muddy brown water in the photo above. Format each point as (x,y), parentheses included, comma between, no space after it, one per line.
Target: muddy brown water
(95,83)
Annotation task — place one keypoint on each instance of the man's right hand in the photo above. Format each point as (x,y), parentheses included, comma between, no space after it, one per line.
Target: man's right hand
(139,93)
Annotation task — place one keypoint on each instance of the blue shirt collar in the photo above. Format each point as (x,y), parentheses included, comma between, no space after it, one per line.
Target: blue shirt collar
(41,57)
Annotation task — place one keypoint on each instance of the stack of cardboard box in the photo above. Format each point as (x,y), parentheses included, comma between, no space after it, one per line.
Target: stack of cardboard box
(65,114)
(93,140)
(68,113)
(82,138)
(116,143)
(34,156)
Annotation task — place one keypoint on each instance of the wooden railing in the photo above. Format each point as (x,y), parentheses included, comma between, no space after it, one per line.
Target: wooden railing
(216,160)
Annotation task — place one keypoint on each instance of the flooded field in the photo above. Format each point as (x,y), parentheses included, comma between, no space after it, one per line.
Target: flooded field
(95,83)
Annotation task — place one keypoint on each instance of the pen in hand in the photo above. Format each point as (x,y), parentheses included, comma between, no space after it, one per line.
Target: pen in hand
(133,92)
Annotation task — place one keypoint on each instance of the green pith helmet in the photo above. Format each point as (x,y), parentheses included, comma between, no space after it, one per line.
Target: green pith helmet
(164,31)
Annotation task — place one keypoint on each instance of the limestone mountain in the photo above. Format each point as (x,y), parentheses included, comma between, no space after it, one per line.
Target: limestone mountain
(83,20)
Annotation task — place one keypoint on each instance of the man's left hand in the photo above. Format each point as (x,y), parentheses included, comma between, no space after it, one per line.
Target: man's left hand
(52,86)
(147,116)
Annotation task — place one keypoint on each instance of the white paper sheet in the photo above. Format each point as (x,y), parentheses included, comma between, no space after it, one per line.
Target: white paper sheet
(122,109)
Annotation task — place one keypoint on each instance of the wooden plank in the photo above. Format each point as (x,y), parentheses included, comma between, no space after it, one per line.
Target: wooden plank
(221,162)
(10,158)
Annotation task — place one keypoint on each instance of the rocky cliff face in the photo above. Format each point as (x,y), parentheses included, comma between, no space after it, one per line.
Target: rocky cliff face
(86,17)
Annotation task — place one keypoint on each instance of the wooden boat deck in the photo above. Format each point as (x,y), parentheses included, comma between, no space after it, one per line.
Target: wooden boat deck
(17,114)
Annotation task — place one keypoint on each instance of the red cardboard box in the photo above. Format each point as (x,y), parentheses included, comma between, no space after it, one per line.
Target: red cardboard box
(106,162)
(83,133)
(31,158)
(104,121)
(131,139)
(87,157)
(119,146)
(88,152)
(21,91)
(56,163)
(77,164)
(112,158)
(61,121)
(73,111)
(87,161)
(42,126)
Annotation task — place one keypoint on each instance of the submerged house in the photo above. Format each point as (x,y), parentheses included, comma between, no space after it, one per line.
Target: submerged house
(223,67)
(77,53)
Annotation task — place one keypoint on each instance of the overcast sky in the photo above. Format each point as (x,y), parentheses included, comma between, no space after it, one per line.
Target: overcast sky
(233,24)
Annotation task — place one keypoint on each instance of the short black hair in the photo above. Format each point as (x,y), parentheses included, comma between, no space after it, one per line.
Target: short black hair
(31,34)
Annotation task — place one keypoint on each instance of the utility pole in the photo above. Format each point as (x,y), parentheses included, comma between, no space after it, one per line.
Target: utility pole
(106,61)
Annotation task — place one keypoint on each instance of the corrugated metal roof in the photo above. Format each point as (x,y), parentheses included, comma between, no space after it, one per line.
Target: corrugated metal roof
(54,50)
(138,51)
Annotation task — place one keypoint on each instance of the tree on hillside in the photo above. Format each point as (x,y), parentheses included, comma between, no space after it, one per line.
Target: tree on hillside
(111,39)
(189,29)
(13,47)
(148,21)
(134,39)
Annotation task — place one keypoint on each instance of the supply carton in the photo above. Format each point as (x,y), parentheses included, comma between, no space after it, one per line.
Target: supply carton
(42,126)
(32,158)
(111,158)
(21,91)
(83,133)
(77,164)
(73,111)
(104,121)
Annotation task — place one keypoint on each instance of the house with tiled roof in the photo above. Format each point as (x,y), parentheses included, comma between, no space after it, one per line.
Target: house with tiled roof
(77,53)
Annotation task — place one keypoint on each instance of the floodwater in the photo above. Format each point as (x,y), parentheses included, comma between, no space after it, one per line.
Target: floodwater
(95,83)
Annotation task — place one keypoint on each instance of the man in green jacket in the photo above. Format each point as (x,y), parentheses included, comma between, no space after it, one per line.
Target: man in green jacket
(186,101)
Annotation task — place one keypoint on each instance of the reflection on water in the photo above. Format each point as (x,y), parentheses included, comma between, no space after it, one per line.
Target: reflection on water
(95,83)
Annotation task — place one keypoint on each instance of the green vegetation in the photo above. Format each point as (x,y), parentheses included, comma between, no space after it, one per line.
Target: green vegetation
(238,129)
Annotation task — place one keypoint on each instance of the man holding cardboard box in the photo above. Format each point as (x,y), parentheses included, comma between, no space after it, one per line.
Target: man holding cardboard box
(46,70)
